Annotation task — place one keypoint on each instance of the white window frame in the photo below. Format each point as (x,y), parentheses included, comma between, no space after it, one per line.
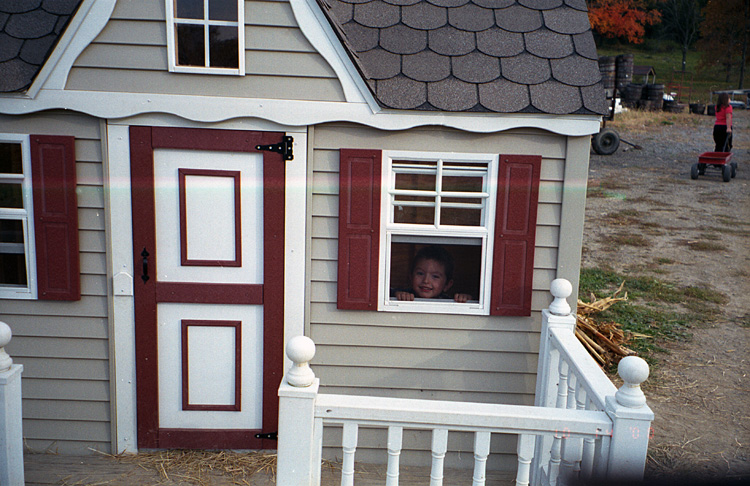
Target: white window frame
(205,22)
(389,230)
(26,216)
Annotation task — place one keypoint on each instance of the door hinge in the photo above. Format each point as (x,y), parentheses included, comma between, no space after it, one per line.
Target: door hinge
(284,148)
(270,436)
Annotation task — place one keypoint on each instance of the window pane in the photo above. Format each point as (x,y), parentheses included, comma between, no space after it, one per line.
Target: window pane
(10,158)
(466,269)
(415,182)
(12,257)
(222,10)
(190,45)
(189,9)
(223,43)
(414,215)
(11,195)
(461,217)
(462,184)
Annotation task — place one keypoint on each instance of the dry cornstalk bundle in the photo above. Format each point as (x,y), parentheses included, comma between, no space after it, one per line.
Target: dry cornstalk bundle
(605,341)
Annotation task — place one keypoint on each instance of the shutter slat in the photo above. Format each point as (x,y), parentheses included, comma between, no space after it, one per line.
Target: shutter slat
(359,228)
(55,217)
(515,232)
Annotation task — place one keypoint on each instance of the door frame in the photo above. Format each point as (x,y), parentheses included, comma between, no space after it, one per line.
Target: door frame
(143,141)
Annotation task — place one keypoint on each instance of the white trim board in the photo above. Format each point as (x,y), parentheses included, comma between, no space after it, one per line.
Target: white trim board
(291,113)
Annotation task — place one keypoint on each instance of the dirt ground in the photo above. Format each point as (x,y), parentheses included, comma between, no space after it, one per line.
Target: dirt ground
(691,233)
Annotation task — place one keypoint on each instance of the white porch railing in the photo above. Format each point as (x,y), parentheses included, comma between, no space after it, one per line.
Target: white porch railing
(581,426)
(11,435)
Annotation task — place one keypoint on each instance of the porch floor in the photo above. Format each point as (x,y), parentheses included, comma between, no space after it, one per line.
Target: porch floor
(97,470)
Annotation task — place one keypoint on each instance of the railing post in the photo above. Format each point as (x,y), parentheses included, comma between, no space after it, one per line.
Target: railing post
(556,316)
(631,419)
(11,434)
(298,455)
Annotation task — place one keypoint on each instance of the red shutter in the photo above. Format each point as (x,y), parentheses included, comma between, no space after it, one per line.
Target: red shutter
(53,175)
(515,231)
(359,228)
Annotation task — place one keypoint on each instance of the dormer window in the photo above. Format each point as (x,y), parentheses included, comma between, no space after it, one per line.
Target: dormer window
(206,36)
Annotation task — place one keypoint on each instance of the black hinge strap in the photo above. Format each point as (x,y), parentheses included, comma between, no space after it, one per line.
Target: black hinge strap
(285,148)
(270,436)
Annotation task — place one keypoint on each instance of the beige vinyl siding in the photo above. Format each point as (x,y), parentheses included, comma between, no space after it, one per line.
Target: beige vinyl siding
(64,346)
(130,55)
(405,355)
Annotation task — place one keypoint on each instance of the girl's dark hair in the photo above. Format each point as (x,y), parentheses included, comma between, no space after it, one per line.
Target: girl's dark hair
(437,253)
(723,100)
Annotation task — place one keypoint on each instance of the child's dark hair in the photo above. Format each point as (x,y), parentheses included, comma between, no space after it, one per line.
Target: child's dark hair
(437,253)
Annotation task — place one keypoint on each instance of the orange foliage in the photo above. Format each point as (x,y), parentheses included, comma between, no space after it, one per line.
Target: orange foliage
(622,18)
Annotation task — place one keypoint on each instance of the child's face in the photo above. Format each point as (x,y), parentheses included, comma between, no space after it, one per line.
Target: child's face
(428,279)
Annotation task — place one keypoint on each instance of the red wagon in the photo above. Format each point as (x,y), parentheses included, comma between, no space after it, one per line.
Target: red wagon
(722,161)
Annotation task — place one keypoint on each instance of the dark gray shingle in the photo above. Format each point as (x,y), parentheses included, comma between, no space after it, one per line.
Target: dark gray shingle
(29,30)
(505,56)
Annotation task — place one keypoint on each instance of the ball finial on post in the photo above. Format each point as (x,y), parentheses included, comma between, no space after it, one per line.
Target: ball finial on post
(5,334)
(301,350)
(560,289)
(633,371)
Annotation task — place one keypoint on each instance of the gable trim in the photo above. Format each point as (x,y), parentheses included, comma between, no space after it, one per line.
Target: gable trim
(319,32)
(90,19)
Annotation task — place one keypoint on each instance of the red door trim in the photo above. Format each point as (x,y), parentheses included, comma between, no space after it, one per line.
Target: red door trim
(143,141)
(237,405)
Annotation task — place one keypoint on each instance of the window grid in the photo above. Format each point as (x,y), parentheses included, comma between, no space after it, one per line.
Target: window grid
(441,166)
(24,215)
(173,21)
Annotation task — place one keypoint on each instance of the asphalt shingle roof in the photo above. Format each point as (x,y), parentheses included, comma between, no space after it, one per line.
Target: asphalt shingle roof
(505,56)
(29,29)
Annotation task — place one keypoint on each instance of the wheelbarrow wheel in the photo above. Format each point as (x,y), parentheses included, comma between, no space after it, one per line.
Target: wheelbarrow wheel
(701,169)
(734,169)
(727,173)
(606,142)
(694,171)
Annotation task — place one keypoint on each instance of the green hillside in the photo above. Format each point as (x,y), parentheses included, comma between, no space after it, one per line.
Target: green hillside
(667,58)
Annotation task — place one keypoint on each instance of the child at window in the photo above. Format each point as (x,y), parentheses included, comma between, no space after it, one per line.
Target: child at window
(431,276)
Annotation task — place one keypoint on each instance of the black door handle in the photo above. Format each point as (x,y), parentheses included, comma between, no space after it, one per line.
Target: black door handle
(145,276)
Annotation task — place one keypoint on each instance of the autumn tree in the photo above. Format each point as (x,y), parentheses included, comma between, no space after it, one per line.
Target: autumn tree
(625,19)
(724,35)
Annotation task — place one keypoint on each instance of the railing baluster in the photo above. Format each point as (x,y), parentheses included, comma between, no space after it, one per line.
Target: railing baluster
(481,451)
(349,446)
(562,400)
(395,438)
(525,450)
(439,448)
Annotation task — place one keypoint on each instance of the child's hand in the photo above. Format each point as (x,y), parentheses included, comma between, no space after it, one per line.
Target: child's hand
(404,296)
(462,297)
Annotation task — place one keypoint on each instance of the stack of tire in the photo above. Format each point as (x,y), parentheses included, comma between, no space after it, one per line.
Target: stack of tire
(697,108)
(652,98)
(624,66)
(631,95)
(607,70)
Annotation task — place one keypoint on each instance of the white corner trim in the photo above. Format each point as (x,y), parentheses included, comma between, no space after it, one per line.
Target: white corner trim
(122,317)
(295,217)
(92,16)
(314,24)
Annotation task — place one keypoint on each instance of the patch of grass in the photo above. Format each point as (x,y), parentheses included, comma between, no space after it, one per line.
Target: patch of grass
(651,307)
(704,245)
(663,261)
(627,240)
